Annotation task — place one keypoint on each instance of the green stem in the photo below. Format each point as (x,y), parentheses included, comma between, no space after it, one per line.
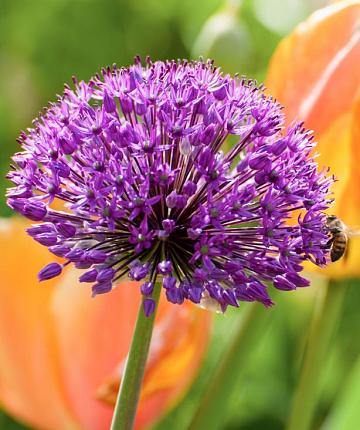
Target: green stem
(326,315)
(209,416)
(128,396)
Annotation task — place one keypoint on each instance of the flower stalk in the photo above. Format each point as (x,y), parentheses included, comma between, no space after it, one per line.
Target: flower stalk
(326,315)
(129,392)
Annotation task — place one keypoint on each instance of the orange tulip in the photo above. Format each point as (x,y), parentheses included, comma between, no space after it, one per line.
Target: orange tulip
(315,74)
(62,352)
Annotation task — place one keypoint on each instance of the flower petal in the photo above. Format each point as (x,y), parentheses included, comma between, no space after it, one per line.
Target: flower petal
(316,77)
(94,337)
(174,359)
(348,207)
(334,148)
(59,345)
(92,334)
(172,368)
(30,376)
(314,74)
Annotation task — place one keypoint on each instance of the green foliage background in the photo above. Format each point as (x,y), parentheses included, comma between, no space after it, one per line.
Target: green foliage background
(44,42)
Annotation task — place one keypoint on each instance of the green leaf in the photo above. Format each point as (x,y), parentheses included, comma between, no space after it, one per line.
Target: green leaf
(7,423)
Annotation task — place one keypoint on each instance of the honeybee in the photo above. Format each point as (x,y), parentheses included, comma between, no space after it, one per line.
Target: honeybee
(340,234)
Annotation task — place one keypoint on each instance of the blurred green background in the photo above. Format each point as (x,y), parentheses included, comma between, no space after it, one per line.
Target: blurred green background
(44,42)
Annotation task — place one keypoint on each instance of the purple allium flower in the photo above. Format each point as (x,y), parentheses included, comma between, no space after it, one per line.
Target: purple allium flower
(140,156)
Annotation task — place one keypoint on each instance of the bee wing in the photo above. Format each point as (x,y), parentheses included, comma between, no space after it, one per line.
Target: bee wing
(353,231)
(209,303)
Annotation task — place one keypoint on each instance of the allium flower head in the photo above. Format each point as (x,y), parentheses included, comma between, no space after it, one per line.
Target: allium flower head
(140,158)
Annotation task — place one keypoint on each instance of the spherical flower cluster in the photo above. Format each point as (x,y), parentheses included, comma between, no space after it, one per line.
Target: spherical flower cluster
(173,172)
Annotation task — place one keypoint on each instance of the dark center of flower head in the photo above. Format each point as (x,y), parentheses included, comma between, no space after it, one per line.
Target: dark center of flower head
(148,191)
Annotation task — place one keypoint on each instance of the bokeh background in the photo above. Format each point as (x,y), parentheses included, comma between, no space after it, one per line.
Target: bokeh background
(44,42)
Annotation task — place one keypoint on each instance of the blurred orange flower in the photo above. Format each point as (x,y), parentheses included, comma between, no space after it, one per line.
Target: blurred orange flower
(315,74)
(62,352)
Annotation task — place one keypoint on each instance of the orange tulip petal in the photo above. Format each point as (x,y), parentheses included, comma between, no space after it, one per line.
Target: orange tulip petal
(355,131)
(349,205)
(172,368)
(173,361)
(347,193)
(30,382)
(315,74)
(334,148)
(94,336)
(59,347)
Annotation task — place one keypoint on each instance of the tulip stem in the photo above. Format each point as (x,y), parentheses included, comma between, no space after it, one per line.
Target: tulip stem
(326,315)
(129,393)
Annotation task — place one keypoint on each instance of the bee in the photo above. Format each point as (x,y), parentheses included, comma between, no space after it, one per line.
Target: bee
(339,241)
(339,238)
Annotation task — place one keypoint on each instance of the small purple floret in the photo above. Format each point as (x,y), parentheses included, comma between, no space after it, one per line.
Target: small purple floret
(149,307)
(165,267)
(50,271)
(89,276)
(66,230)
(59,250)
(140,158)
(147,288)
(46,239)
(105,274)
(101,288)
